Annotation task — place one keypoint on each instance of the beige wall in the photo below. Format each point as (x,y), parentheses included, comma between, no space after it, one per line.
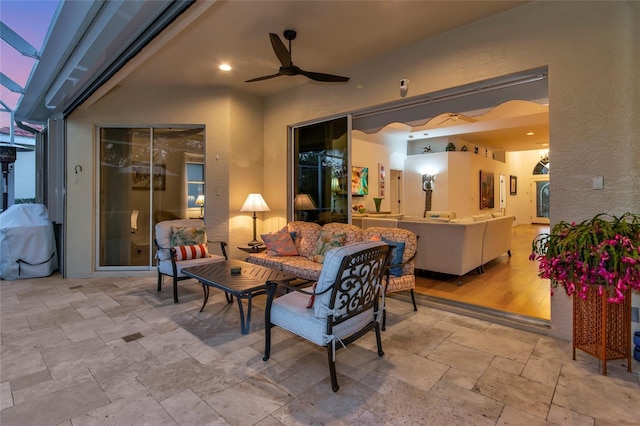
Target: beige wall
(233,159)
(592,55)
(457,183)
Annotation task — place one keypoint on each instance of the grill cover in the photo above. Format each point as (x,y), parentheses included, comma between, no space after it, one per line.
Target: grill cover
(27,242)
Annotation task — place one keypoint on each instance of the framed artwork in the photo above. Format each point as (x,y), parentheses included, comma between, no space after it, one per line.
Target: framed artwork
(487,190)
(142,175)
(381,182)
(513,185)
(359,181)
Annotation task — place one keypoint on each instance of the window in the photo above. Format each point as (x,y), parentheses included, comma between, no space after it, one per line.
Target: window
(195,186)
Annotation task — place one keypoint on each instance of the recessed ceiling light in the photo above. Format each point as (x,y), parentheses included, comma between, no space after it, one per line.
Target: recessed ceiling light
(530,133)
(224,67)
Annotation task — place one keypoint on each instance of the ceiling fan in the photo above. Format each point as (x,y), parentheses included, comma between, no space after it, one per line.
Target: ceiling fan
(287,68)
(454,116)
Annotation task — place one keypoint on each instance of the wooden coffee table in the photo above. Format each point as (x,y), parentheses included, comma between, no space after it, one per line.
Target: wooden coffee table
(251,281)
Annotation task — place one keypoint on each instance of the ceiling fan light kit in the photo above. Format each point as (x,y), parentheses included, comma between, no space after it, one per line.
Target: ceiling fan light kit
(288,68)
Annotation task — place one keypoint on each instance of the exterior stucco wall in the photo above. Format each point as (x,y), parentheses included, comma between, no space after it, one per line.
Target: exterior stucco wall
(591,49)
(228,136)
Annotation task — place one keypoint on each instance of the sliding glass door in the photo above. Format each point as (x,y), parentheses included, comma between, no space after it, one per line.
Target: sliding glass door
(320,188)
(147,175)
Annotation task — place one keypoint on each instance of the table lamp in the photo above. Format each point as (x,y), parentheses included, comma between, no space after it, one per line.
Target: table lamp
(254,203)
(200,202)
(304,202)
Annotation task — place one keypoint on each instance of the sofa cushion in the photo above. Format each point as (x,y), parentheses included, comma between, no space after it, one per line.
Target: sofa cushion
(164,233)
(435,213)
(326,241)
(397,234)
(482,216)
(353,234)
(297,266)
(306,236)
(396,256)
(195,251)
(188,235)
(466,219)
(280,243)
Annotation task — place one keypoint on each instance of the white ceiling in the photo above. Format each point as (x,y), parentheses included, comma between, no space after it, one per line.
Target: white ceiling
(332,37)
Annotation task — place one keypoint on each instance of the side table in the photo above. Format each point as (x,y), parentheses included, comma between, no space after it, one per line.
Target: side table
(253,249)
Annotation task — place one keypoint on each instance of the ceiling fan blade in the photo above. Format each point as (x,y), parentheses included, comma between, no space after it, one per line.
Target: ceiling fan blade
(283,54)
(266,77)
(318,76)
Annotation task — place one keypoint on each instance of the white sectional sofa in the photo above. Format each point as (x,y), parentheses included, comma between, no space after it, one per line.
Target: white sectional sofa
(455,246)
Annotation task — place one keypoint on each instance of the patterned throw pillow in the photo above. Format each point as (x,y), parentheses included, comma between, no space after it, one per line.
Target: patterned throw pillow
(326,241)
(396,256)
(188,236)
(280,243)
(196,251)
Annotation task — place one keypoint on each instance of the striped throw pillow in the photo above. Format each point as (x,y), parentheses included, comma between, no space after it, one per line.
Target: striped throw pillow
(191,252)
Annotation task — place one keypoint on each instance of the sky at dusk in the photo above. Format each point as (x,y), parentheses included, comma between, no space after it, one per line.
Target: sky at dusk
(31,20)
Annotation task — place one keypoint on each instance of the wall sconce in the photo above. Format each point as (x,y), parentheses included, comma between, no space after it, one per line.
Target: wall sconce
(200,202)
(254,203)
(427,187)
(427,180)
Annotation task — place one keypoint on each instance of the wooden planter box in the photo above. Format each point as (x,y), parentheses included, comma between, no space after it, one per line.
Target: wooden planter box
(602,329)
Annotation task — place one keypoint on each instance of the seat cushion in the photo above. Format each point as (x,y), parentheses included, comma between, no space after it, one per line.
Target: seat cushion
(405,282)
(164,266)
(290,313)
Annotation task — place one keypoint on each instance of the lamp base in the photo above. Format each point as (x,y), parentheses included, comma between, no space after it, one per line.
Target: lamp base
(254,243)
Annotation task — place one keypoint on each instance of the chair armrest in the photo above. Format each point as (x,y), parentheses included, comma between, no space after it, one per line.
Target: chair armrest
(272,289)
(172,251)
(223,246)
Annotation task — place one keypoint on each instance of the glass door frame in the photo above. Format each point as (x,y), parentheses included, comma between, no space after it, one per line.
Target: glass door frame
(292,170)
(152,129)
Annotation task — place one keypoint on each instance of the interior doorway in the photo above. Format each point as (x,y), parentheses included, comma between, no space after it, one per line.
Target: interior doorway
(540,199)
(395,191)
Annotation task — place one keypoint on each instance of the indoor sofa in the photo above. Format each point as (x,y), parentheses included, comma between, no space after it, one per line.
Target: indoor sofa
(460,245)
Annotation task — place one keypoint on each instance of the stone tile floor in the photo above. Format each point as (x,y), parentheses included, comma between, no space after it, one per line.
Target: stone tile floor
(113,351)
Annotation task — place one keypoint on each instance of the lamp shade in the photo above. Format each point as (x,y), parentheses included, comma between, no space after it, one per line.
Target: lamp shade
(254,203)
(200,200)
(304,202)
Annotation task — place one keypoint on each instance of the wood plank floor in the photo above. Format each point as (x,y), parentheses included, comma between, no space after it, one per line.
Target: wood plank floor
(509,284)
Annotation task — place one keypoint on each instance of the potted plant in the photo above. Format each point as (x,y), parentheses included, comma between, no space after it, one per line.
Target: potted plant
(598,262)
